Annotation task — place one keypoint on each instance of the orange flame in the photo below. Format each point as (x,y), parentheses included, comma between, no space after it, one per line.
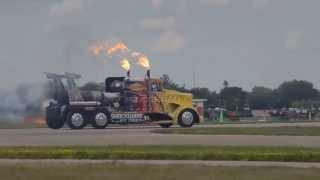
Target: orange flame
(144,62)
(101,47)
(125,64)
(38,120)
(119,46)
(98,47)
(96,50)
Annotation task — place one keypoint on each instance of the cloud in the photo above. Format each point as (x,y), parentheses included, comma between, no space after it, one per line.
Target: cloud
(216,3)
(156,4)
(65,13)
(294,40)
(259,4)
(169,42)
(158,23)
(68,7)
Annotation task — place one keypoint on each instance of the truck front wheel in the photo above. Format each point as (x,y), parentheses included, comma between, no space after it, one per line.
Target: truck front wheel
(76,120)
(187,118)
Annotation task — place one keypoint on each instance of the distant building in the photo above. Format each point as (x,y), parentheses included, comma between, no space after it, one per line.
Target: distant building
(198,104)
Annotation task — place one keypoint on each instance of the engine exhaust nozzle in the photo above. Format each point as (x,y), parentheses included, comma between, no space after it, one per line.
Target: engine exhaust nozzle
(148,74)
(128,74)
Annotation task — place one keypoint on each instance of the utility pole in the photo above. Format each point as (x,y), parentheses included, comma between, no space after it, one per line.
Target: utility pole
(194,79)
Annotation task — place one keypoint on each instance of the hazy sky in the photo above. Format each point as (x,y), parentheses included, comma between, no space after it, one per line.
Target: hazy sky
(247,42)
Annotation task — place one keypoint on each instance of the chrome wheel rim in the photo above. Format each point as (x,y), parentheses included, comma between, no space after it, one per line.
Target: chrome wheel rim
(101,119)
(77,119)
(187,118)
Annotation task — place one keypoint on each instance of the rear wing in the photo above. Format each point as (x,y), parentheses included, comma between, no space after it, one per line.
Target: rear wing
(61,76)
(65,93)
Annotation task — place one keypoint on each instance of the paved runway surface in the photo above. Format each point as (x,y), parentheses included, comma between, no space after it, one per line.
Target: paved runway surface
(134,135)
(164,162)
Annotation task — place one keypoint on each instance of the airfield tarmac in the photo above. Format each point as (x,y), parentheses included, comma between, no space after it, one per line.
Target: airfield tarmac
(143,135)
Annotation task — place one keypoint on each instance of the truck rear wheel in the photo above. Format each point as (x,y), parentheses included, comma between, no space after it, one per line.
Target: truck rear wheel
(54,122)
(76,120)
(53,119)
(100,120)
(187,118)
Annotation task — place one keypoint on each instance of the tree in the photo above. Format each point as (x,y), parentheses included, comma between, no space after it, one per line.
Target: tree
(170,84)
(291,91)
(233,98)
(260,98)
(225,84)
(205,93)
(201,93)
(276,99)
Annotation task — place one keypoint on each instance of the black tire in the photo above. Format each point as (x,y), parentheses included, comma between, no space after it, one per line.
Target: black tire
(53,119)
(187,118)
(76,120)
(100,120)
(165,125)
(55,123)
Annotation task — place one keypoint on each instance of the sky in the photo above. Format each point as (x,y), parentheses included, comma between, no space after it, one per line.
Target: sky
(197,42)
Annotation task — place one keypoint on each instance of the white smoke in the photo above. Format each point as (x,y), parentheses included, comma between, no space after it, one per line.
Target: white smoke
(10,101)
(27,98)
(11,108)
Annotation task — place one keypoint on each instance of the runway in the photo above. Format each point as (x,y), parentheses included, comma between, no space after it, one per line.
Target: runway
(142,135)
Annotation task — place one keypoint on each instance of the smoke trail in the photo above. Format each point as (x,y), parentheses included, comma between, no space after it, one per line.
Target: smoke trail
(27,99)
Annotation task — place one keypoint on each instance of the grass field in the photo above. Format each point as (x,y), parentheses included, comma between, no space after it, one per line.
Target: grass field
(286,154)
(277,131)
(147,172)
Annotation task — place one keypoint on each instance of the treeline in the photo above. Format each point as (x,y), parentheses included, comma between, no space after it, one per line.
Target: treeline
(295,94)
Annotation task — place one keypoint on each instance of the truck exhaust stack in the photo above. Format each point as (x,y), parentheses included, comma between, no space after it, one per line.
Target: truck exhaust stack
(128,74)
(148,74)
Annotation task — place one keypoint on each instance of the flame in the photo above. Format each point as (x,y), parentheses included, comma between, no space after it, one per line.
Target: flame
(98,47)
(144,62)
(121,50)
(119,46)
(125,64)
(37,119)
(96,50)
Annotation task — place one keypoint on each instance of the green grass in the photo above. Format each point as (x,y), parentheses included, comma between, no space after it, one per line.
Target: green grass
(286,154)
(268,131)
(117,171)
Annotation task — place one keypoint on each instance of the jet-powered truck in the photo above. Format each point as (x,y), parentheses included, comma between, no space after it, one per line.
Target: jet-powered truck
(124,101)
